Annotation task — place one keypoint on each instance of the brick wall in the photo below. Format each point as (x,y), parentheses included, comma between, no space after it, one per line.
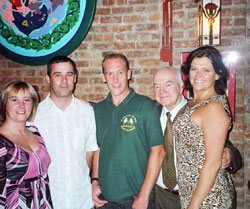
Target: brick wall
(246,129)
(134,27)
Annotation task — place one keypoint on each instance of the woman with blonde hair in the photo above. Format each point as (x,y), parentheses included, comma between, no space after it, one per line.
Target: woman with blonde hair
(24,159)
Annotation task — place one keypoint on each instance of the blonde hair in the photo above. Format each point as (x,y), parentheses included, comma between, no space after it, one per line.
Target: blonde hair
(15,87)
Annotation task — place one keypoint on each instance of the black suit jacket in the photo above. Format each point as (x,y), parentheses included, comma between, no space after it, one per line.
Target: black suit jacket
(236,163)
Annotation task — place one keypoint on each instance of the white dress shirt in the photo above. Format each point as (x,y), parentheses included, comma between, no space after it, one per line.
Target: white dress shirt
(68,135)
(163,119)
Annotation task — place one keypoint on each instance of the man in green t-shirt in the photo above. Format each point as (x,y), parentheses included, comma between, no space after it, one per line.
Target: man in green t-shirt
(130,140)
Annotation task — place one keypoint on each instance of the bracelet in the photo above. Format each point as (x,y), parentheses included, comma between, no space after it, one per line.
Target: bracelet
(94,179)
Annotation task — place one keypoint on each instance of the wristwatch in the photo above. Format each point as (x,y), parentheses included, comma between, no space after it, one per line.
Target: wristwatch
(94,179)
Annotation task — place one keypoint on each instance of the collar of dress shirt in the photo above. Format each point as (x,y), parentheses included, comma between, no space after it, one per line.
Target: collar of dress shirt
(175,110)
(50,104)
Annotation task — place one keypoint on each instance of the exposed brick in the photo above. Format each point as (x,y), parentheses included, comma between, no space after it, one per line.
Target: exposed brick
(155,36)
(134,36)
(89,37)
(227,21)
(147,36)
(83,46)
(142,90)
(155,17)
(101,46)
(149,62)
(227,2)
(185,44)
(6,80)
(96,63)
(146,27)
(144,80)
(95,80)
(243,2)
(190,5)
(140,53)
(147,45)
(239,12)
(193,14)
(248,32)
(133,19)
(103,11)
(86,72)
(45,88)
(25,72)
(85,54)
(238,137)
(96,97)
(185,25)
(240,22)
(120,37)
(141,8)
(134,28)
(177,5)
(136,1)
(82,80)
(98,37)
(82,63)
(14,65)
(178,15)
(192,34)
(108,37)
(122,10)
(233,32)
(114,19)
(122,28)
(108,2)
(123,45)
(34,80)
(240,81)
(3,64)
(2,57)
(100,29)
(7,72)
(99,89)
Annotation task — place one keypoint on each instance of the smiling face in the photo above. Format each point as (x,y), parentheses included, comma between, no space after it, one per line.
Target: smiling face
(167,88)
(19,106)
(116,75)
(62,80)
(202,75)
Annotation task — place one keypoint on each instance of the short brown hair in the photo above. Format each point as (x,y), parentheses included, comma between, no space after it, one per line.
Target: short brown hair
(15,87)
(60,59)
(115,56)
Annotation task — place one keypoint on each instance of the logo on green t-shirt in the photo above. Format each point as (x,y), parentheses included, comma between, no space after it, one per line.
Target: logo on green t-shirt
(128,122)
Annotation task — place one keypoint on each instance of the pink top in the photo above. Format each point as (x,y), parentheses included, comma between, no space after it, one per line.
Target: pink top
(24,179)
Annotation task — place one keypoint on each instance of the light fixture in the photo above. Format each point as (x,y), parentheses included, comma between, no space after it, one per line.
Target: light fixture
(209,22)
(167,39)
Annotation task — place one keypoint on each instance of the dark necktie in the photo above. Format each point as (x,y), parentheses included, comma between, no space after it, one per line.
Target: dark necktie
(168,166)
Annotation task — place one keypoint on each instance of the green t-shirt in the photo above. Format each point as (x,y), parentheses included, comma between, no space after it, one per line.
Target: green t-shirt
(125,135)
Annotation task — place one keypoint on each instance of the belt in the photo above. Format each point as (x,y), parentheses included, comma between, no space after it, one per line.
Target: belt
(175,192)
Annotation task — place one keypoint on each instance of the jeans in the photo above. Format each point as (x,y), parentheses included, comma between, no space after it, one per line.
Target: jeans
(124,204)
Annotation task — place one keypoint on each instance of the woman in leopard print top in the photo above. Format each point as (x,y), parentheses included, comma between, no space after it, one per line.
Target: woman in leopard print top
(201,130)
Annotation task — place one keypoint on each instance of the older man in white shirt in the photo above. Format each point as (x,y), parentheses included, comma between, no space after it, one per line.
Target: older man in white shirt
(168,88)
(67,125)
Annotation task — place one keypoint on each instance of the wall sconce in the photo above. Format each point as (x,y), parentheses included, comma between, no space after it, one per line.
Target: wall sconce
(209,22)
(167,39)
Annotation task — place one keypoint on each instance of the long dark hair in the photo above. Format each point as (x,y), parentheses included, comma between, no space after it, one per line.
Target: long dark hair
(216,59)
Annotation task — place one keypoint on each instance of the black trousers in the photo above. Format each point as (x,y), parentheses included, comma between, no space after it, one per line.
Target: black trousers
(165,199)
(124,204)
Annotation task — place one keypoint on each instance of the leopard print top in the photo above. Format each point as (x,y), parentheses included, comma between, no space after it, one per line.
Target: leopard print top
(190,153)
